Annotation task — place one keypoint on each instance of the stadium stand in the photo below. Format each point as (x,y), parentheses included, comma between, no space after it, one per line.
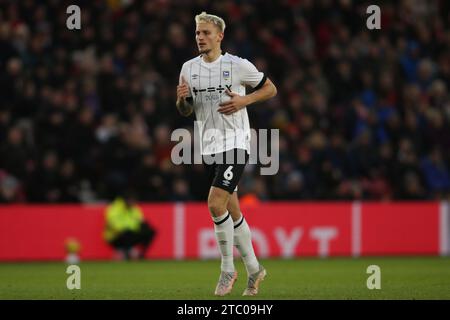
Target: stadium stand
(362,114)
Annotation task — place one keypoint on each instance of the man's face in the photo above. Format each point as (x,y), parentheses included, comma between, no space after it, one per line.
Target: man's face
(208,37)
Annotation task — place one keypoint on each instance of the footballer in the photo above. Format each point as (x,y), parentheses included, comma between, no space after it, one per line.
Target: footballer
(212,85)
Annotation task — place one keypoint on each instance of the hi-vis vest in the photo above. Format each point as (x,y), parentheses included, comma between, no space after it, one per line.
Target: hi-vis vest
(120,218)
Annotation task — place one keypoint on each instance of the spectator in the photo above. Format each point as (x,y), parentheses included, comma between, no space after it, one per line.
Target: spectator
(84,113)
(436,173)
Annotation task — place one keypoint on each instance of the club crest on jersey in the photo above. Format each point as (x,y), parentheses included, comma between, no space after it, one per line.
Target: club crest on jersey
(226,75)
(194,76)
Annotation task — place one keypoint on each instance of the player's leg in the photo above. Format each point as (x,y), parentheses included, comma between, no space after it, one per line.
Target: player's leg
(242,236)
(223,225)
(223,228)
(243,242)
(226,178)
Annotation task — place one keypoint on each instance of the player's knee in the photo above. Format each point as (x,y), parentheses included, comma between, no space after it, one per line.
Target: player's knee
(216,207)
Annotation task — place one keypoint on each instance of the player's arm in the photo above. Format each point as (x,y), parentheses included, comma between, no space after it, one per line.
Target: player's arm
(183,105)
(266,91)
(249,76)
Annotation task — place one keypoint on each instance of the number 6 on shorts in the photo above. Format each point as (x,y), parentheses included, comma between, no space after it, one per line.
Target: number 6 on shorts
(228,174)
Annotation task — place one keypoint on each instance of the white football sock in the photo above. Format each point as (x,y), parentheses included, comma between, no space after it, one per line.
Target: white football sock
(243,242)
(223,226)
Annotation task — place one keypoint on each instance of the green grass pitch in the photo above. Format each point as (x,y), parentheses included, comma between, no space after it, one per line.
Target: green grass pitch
(331,278)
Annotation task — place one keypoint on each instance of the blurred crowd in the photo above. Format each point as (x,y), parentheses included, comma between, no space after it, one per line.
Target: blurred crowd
(362,114)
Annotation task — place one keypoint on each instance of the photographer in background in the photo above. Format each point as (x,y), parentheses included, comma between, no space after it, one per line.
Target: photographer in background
(126,229)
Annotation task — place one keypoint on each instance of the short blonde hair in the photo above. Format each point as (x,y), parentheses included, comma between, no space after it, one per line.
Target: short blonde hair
(205,17)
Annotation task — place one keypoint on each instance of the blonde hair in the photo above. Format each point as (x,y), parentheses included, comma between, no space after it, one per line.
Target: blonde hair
(205,17)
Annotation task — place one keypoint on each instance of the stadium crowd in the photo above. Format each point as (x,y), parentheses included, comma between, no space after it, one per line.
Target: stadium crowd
(362,114)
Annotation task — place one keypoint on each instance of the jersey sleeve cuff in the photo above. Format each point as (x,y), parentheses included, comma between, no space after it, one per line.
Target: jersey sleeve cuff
(261,83)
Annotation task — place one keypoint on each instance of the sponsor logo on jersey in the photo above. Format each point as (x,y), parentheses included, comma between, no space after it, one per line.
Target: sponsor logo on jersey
(220,89)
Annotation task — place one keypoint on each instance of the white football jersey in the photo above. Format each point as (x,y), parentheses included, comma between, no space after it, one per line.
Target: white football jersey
(207,83)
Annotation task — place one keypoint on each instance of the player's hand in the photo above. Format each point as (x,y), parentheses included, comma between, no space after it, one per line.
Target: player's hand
(233,105)
(182,89)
